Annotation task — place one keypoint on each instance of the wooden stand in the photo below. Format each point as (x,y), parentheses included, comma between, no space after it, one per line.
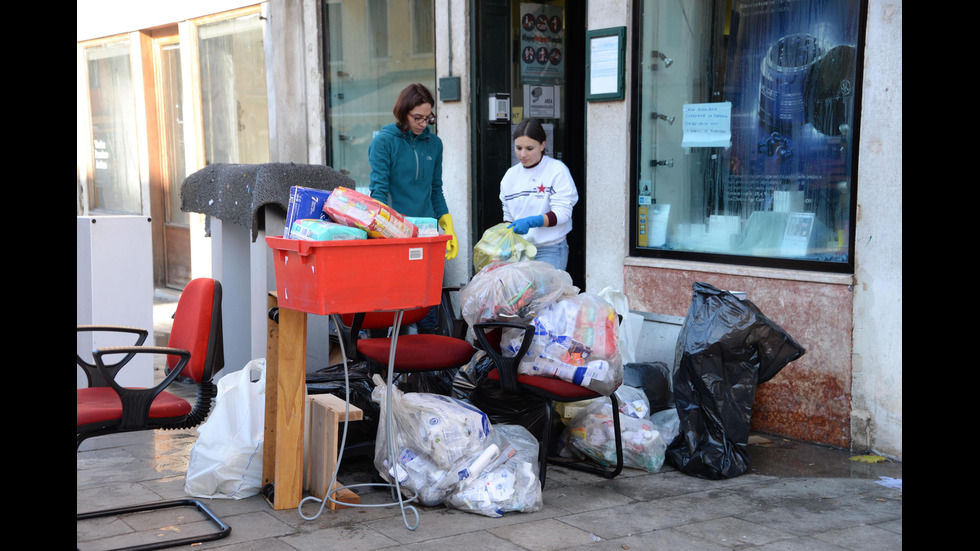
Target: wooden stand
(285,418)
(326,412)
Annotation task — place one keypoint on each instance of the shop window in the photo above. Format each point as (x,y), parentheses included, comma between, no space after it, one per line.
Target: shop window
(367,71)
(113,179)
(234,102)
(745,149)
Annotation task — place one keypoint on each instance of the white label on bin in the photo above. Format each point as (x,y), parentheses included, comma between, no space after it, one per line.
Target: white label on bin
(416,253)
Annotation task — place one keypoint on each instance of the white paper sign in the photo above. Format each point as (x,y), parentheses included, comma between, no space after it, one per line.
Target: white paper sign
(605,65)
(707,125)
(542,102)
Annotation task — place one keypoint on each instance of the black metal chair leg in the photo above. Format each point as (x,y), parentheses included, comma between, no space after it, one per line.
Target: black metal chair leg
(224,529)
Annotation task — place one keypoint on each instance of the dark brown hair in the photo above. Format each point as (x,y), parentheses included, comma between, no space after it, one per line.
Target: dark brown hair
(532,129)
(411,97)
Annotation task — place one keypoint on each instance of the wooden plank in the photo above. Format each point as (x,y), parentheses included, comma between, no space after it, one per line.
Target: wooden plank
(291,403)
(337,404)
(272,382)
(326,413)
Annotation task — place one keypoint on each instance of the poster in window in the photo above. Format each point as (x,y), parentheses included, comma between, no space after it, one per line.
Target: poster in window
(542,43)
(791,76)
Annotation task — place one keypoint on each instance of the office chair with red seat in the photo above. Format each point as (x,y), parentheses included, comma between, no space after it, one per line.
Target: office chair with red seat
(195,350)
(548,389)
(414,354)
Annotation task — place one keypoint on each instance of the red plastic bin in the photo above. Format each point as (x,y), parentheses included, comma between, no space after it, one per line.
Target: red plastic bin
(364,275)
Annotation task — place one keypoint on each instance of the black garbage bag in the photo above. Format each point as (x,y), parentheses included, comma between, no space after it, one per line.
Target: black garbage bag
(432,382)
(726,347)
(501,406)
(330,380)
(654,379)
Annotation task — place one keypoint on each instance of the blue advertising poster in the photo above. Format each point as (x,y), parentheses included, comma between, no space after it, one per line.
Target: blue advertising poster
(791,79)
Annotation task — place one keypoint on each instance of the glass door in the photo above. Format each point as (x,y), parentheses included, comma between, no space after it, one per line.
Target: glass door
(547,83)
(176,224)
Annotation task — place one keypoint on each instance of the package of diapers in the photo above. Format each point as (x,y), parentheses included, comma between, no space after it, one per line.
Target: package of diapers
(323,230)
(353,208)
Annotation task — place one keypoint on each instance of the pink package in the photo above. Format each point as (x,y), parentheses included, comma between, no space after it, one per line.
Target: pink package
(352,208)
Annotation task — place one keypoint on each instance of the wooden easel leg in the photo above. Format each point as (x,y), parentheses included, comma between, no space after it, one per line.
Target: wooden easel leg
(290,403)
(272,382)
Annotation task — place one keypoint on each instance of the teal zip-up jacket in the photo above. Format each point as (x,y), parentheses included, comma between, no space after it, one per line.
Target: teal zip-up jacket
(406,172)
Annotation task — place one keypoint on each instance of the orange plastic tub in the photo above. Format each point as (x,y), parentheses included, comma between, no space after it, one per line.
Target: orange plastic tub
(341,277)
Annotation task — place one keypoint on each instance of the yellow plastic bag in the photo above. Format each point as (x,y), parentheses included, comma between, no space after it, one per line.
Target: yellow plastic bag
(500,243)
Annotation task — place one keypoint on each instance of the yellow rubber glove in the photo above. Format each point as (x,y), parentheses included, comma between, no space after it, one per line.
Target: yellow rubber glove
(452,246)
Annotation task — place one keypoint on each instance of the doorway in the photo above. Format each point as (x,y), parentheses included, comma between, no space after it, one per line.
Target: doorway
(171,226)
(530,58)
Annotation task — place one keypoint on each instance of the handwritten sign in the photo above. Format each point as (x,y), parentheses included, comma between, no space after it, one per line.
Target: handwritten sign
(707,125)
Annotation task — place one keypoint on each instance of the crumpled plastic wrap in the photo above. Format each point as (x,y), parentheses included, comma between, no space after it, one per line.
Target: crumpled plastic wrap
(513,291)
(509,483)
(590,435)
(449,453)
(501,244)
(575,340)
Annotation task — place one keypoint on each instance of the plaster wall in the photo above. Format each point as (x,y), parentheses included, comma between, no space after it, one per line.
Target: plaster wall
(455,128)
(877,315)
(607,167)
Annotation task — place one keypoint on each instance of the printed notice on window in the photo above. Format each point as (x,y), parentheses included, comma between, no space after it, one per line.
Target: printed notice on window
(707,125)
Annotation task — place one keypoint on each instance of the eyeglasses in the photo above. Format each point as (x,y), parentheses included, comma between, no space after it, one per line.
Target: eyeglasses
(431,119)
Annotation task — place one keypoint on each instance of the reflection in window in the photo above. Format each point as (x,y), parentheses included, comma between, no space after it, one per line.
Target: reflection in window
(378,27)
(173,128)
(335,34)
(233,91)
(115,185)
(423,39)
(746,126)
(365,78)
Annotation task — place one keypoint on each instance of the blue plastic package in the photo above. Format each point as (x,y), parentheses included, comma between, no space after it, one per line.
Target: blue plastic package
(304,203)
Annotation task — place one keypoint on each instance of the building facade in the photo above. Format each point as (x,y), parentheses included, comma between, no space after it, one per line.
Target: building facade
(752,145)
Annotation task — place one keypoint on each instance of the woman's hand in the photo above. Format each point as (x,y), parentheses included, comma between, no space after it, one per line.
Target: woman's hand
(522,225)
(452,246)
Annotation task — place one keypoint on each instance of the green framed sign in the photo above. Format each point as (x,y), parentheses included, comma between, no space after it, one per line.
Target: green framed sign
(605,64)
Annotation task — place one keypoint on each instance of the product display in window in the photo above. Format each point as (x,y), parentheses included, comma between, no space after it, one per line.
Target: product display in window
(782,189)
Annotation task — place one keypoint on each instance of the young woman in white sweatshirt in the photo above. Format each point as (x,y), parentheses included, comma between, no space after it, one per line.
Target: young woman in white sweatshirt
(538,195)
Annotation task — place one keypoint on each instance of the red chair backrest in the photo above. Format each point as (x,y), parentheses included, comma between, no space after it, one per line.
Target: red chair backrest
(194,324)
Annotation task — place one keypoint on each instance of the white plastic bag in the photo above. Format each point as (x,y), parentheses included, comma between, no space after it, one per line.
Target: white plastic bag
(591,435)
(508,482)
(513,291)
(629,327)
(575,340)
(226,460)
(436,437)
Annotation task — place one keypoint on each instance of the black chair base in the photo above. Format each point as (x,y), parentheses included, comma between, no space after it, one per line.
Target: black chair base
(546,458)
(224,529)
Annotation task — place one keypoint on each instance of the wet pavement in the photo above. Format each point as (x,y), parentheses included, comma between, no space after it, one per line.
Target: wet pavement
(795,496)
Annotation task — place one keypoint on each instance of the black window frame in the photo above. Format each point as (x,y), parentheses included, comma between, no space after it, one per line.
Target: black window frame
(736,259)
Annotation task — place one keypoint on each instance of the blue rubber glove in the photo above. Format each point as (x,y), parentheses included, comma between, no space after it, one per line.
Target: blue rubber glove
(524,224)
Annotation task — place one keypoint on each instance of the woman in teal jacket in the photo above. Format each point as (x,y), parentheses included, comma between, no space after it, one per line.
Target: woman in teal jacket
(406,163)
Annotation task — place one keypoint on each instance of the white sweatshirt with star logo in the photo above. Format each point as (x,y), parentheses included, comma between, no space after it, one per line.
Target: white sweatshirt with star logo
(546,187)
